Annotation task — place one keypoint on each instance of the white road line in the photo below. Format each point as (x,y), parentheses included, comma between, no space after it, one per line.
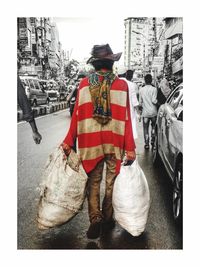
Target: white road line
(40,117)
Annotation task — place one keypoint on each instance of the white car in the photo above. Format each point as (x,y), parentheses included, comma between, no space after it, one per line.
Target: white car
(168,146)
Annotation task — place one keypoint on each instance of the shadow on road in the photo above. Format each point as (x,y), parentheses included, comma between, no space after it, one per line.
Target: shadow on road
(121,239)
(118,238)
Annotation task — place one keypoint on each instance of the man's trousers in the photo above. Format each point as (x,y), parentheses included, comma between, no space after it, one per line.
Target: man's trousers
(93,189)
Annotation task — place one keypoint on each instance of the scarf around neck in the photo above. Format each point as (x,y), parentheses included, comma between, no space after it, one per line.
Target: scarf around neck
(100,95)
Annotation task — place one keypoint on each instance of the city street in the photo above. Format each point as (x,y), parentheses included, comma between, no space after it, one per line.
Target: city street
(161,231)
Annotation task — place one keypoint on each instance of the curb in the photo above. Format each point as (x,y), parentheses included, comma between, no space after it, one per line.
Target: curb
(40,111)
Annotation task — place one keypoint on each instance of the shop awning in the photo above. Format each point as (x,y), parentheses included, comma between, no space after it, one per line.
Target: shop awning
(173,30)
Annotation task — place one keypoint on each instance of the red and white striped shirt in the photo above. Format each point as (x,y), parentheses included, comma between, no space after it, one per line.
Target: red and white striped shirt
(96,140)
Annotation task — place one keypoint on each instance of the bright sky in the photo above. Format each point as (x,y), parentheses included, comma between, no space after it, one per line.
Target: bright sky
(80,34)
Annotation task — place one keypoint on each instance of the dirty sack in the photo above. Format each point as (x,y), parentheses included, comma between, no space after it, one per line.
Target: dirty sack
(62,190)
(131,199)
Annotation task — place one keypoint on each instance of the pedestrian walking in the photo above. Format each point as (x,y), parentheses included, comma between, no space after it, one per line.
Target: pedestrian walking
(102,125)
(27,110)
(148,101)
(127,75)
(160,96)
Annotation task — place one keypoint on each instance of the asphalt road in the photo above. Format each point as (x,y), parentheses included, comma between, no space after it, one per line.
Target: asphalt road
(161,231)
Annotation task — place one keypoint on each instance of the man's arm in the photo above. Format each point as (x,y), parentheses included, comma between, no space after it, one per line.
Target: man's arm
(154,96)
(129,139)
(70,139)
(27,111)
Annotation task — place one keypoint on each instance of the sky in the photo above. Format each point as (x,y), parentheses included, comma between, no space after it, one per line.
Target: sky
(78,35)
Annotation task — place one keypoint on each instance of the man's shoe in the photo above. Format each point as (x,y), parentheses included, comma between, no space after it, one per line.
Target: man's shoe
(152,141)
(108,225)
(94,230)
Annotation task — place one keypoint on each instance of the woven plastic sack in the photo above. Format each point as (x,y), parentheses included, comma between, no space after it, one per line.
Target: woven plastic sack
(62,190)
(131,199)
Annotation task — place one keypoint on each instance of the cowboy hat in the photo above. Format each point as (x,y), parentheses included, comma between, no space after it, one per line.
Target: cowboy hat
(103,52)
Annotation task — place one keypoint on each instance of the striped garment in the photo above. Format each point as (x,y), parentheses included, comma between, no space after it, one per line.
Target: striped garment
(96,140)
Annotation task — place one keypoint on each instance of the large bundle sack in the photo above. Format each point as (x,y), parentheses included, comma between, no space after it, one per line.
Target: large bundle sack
(62,190)
(131,199)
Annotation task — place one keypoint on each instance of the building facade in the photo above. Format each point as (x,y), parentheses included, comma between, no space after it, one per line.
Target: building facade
(39,50)
(139,41)
(173,66)
(154,45)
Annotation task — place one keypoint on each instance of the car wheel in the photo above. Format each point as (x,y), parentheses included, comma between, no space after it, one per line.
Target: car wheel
(178,194)
(156,156)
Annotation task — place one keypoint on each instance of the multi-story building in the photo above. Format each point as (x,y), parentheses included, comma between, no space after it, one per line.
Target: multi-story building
(168,56)
(39,50)
(139,42)
(159,48)
(173,65)
(24,45)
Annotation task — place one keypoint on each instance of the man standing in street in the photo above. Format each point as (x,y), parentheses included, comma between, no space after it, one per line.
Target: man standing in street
(127,75)
(25,106)
(101,123)
(147,102)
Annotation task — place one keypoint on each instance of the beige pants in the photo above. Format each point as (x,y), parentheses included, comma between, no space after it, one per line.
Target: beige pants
(93,192)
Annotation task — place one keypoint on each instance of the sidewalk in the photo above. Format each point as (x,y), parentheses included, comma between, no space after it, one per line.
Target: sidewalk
(43,110)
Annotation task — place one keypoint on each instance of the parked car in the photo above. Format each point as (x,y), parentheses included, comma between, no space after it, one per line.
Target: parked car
(168,147)
(71,97)
(34,91)
(49,87)
(62,95)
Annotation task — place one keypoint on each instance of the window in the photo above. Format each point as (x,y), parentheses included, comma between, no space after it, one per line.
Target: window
(24,82)
(37,86)
(31,84)
(176,98)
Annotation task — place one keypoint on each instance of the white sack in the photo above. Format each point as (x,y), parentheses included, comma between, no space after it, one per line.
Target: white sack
(62,190)
(131,199)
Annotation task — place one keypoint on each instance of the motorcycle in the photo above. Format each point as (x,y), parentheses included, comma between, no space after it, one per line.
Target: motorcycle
(71,99)
(72,103)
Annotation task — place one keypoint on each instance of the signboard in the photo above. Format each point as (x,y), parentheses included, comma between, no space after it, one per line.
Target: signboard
(22,33)
(26,53)
(23,41)
(177,65)
(22,22)
(33,38)
(158,61)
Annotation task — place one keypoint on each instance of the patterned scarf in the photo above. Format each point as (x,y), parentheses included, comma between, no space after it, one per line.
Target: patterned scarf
(100,94)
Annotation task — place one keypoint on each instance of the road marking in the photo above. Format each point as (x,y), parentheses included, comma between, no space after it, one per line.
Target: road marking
(37,118)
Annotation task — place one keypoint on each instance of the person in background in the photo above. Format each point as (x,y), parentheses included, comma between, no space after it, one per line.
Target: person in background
(101,122)
(164,86)
(127,75)
(27,110)
(148,102)
(160,96)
